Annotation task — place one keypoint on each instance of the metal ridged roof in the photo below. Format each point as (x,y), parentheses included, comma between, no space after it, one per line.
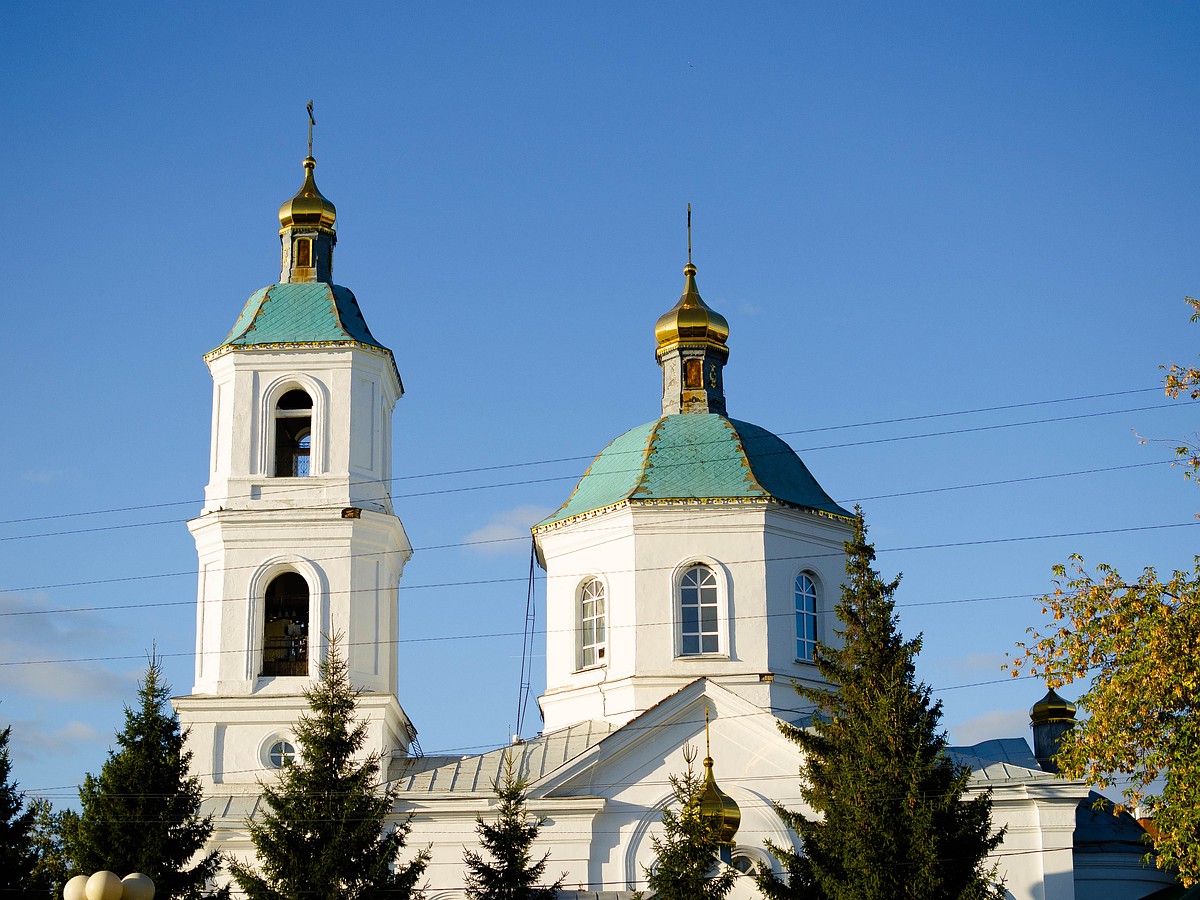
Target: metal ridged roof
(300,313)
(696,456)
(478,774)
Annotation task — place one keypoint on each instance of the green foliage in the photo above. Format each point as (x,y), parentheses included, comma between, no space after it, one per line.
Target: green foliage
(686,863)
(323,833)
(893,822)
(142,813)
(17,854)
(1186,380)
(52,866)
(1139,643)
(510,873)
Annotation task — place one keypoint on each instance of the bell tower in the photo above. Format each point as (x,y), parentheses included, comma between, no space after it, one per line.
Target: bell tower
(297,540)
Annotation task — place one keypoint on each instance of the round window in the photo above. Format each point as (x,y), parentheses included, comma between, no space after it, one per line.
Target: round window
(746,864)
(280,754)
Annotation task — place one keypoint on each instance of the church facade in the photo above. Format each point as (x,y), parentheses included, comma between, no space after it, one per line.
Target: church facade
(689,576)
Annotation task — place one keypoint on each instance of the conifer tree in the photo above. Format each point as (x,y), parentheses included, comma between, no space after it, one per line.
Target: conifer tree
(142,813)
(50,871)
(17,854)
(687,865)
(892,819)
(323,833)
(510,873)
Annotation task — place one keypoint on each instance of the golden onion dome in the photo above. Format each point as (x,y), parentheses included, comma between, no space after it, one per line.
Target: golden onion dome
(690,320)
(718,807)
(1052,708)
(309,207)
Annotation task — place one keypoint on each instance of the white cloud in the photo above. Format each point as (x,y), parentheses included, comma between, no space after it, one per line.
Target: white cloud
(999,723)
(507,532)
(977,664)
(34,740)
(49,476)
(31,632)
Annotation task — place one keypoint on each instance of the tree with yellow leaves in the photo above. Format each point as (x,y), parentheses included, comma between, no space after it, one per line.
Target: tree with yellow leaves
(1139,643)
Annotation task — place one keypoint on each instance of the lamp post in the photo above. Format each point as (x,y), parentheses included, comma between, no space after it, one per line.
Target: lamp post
(109,886)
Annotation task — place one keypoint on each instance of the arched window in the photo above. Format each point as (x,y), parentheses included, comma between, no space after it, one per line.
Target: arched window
(285,626)
(293,434)
(698,626)
(304,252)
(806,617)
(592,620)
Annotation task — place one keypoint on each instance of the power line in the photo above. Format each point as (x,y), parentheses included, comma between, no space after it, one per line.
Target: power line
(412,587)
(575,459)
(334,508)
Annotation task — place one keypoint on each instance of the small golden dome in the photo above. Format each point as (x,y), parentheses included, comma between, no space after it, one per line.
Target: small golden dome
(1052,708)
(690,320)
(717,806)
(309,206)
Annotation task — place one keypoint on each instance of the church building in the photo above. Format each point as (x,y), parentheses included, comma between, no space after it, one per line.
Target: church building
(689,576)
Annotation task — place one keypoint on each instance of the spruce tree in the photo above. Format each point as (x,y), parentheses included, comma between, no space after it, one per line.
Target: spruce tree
(687,865)
(17,854)
(142,814)
(510,873)
(323,831)
(891,819)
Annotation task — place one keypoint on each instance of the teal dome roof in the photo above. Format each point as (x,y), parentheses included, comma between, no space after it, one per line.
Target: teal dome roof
(696,456)
(300,313)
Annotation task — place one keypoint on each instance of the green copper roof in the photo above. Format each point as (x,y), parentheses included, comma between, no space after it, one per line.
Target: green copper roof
(302,313)
(696,456)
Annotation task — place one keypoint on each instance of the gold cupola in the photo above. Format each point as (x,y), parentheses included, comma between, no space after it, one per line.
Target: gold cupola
(716,806)
(1052,718)
(691,320)
(307,228)
(309,208)
(691,349)
(1052,708)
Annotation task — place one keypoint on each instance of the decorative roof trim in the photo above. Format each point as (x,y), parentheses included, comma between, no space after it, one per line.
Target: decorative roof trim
(686,501)
(647,451)
(306,345)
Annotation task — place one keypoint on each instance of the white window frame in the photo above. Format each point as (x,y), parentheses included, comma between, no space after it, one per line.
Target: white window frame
(269,401)
(255,623)
(806,596)
(718,597)
(267,746)
(591,654)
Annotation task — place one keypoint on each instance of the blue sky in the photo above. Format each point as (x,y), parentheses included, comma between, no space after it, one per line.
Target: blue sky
(905,214)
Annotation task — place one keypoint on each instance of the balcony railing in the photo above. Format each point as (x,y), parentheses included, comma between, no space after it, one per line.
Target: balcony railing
(285,656)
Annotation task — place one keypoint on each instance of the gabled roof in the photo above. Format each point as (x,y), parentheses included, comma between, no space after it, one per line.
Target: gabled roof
(533,759)
(696,456)
(1001,760)
(300,313)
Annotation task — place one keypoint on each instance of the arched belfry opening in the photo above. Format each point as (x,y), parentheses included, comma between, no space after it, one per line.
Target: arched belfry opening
(293,435)
(285,626)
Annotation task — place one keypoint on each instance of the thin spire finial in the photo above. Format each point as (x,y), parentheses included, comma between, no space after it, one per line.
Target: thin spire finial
(707,743)
(311,122)
(689,230)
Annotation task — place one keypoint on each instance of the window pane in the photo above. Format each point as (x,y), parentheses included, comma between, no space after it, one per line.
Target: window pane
(710,643)
(691,644)
(591,623)
(806,617)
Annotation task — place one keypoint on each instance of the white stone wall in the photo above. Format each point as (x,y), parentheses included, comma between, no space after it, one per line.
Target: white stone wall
(640,552)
